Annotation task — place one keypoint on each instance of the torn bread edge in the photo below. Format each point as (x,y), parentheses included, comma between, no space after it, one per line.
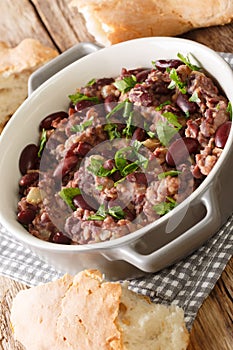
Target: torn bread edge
(87,312)
(111,21)
(16,65)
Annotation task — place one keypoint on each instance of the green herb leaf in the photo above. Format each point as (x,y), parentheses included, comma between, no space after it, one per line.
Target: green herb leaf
(112,131)
(128,130)
(126,83)
(165,132)
(194,97)
(186,61)
(43,141)
(81,97)
(91,82)
(67,194)
(166,103)
(127,109)
(128,169)
(102,213)
(122,163)
(168,173)
(136,145)
(120,158)
(172,119)
(164,207)
(154,64)
(175,81)
(81,127)
(116,212)
(96,167)
(117,108)
(229,109)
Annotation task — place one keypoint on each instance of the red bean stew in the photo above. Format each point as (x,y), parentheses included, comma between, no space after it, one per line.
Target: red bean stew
(127,151)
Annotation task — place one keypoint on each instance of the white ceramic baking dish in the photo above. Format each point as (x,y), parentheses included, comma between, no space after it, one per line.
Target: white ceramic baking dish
(159,244)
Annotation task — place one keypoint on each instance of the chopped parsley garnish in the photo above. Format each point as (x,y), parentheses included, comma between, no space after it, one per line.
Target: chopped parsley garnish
(101,214)
(165,131)
(154,64)
(81,97)
(117,108)
(164,207)
(128,106)
(112,131)
(176,81)
(126,83)
(186,61)
(151,134)
(158,108)
(91,82)
(96,168)
(116,212)
(229,109)
(168,173)
(67,194)
(172,119)
(128,130)
(43,140)
(122,162)
(81,127)
(194,97)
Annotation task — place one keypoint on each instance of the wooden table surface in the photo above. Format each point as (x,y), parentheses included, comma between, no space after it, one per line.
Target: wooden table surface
(56,25)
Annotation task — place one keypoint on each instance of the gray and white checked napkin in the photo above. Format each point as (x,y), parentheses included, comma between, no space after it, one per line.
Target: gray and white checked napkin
(186,283)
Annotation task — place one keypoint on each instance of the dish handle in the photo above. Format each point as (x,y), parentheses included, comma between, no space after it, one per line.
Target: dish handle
(58,63)
(180,247)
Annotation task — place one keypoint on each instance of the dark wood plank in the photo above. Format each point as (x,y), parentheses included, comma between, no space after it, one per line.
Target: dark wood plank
(65,25)
(212,328)
(218,38)
(19,20)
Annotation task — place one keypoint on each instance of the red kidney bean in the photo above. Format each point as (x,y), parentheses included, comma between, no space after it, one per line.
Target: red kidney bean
(60,238)
(160,87)
(28,158)
(116,176)
(65,166)
(109,164)
(83,104)
(184,103)
(110,102)
(46,123)
(162,65)
(139,134)
(142,75)
(180,149)
(129,214)
(26,216)
(82,148)
(139,178)
(222,134)
(79,202)
(141,95)
(104,81)
(28,179)
(71,150)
